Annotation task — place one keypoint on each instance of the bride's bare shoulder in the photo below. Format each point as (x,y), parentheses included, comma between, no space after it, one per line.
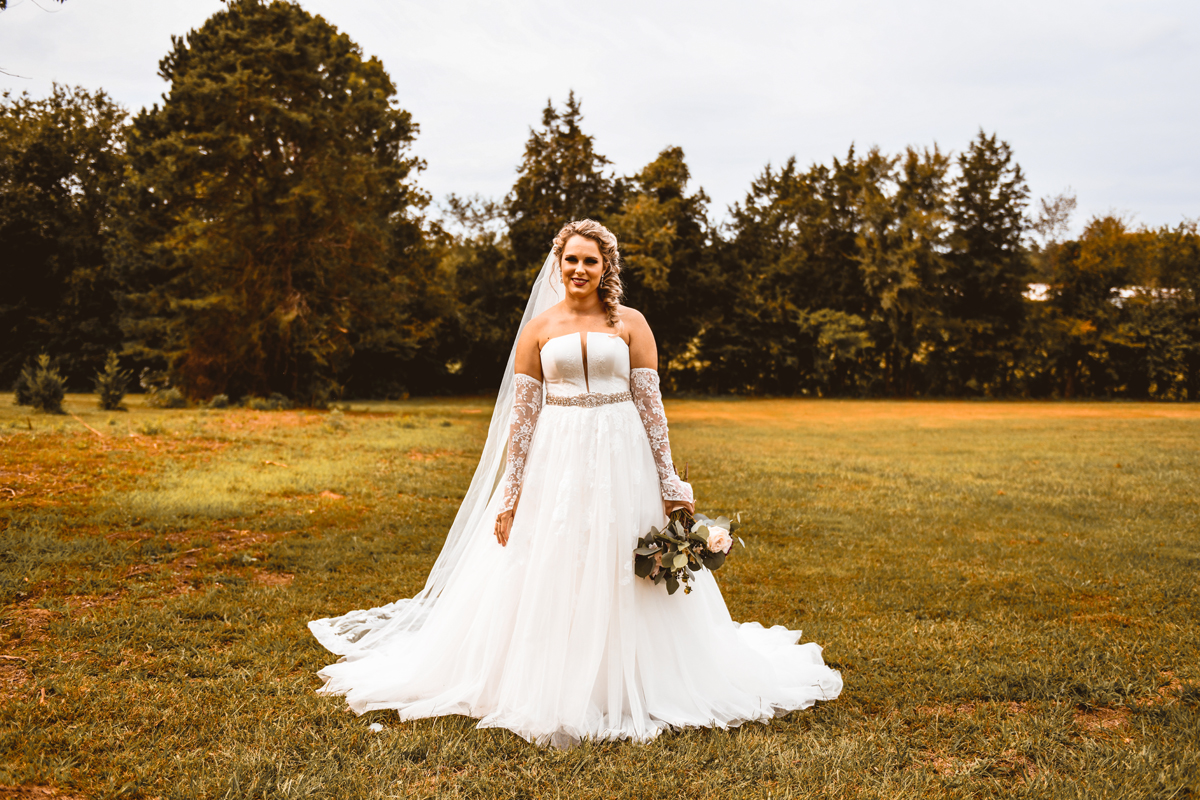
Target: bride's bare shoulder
(634,319)
(537,326)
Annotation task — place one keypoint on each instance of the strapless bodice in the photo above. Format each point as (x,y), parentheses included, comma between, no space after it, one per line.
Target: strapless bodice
(607,365)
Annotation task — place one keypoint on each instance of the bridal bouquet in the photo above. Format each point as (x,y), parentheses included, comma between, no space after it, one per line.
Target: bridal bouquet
(687,544)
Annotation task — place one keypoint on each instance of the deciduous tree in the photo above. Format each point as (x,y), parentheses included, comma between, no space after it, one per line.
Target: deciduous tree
(62,160)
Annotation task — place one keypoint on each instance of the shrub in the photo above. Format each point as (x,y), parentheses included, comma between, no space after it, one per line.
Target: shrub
(219,401)
(111,383)
(47,388)
(169,397)
(151,428)
(23,387)
(276,402)
(335,421)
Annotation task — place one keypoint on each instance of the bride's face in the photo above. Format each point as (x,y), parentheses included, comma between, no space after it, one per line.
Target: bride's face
(582,266)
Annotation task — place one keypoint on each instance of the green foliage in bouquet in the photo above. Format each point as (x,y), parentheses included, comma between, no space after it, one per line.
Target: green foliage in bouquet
(687,544)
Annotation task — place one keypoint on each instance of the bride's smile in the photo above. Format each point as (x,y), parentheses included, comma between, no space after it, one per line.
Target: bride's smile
(582,267)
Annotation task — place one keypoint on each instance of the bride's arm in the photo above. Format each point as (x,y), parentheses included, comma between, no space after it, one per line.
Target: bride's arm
(527,406)
(643,385)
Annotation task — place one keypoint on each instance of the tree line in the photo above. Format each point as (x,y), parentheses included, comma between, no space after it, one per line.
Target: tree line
(262,230)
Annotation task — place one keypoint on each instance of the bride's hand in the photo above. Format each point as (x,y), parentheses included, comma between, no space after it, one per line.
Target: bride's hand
(671,505)
(503,526)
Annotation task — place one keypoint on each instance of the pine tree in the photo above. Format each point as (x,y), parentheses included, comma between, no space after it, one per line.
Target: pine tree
(561,178)
(46,387)
(269,228)
(112,383)
(986,271)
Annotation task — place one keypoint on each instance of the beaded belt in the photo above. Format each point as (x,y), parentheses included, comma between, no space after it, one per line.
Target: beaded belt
(590,400)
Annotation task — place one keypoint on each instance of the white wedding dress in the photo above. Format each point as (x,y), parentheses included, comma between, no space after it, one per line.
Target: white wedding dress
(553,636)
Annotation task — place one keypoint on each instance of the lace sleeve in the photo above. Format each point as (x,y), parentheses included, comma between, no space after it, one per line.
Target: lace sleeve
(527,405)
(643,385)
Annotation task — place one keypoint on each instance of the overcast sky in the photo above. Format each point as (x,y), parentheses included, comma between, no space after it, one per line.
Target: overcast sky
(1098,96)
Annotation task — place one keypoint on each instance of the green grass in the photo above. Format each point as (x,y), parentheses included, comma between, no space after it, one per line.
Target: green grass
(1009,591)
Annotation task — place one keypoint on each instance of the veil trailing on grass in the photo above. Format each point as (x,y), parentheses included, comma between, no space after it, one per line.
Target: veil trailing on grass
(352,634)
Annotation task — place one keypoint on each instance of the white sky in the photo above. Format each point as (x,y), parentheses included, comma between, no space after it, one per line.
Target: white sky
(1099,96)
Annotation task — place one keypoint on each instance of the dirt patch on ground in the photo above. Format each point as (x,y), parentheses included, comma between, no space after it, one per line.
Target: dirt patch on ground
(1006,765)
(233,539)
(13,677)
(273,578)
(80,602)
(25,624)
(254,421)
(967,709)
(1101,720)
(417,455)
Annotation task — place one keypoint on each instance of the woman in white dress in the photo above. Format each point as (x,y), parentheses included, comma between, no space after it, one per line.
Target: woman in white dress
(532,618)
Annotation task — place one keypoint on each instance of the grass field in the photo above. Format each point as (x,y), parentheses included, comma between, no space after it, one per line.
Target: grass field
(1009,591)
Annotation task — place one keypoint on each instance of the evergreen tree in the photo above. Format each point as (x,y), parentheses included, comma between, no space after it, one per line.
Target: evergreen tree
(561,178)
(61,163)
(269,215)
(986,272)
(901,244)
(111,383)
(45,386)
(792,256)
(664,235)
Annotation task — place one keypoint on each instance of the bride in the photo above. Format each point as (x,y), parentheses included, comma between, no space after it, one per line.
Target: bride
(532,618)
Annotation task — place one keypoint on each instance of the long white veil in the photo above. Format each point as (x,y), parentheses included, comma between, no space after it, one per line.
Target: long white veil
(353,634)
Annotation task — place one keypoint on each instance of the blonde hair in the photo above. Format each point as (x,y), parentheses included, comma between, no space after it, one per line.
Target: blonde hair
(610,290)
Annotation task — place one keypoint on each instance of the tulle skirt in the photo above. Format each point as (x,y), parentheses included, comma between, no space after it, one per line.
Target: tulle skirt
(554,638)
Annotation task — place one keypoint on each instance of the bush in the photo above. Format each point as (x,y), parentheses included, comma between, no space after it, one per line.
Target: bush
(111,383)
(219,401)
(335,421)
(151,428)
(23,387)
(46,388)
(276,402)
(167,398)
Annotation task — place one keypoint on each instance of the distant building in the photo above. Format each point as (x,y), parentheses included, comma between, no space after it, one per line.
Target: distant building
(1039,292)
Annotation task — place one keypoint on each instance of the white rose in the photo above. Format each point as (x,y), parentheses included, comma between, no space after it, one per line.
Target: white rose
(719,540)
